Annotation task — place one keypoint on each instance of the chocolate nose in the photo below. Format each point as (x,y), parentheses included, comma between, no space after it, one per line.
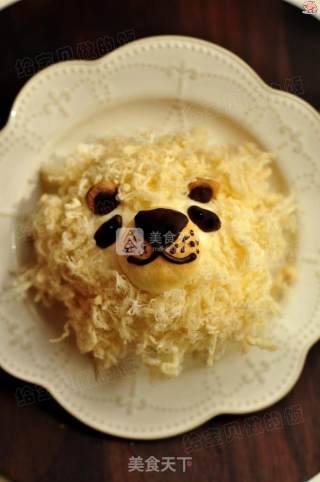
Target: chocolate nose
(161,226)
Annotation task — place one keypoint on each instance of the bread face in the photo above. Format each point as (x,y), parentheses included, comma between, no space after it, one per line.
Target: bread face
(170,266)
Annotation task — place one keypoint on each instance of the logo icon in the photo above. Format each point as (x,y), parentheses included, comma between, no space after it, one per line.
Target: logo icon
(130,241)
(310,7)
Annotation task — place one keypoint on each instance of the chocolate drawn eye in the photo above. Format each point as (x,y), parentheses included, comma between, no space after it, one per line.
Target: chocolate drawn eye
(106,235)
(206,220)
(102,198)
(203,190)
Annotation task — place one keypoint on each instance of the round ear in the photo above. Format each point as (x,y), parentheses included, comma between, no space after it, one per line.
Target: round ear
(102,198)
(203,190)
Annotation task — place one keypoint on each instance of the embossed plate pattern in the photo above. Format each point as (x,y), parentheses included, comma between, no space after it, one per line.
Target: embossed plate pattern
(164,83)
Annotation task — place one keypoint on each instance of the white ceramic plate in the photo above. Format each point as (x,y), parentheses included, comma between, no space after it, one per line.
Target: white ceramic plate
(6,3)
(163,83)
(315,479)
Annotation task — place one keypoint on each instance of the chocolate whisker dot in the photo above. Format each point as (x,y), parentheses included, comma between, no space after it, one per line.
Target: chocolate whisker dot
(192,244)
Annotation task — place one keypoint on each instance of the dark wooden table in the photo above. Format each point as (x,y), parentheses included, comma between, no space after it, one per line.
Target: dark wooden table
(39,442)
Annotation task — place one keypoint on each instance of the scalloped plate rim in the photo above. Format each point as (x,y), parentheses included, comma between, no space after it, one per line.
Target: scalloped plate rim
(122,49)
(63,402)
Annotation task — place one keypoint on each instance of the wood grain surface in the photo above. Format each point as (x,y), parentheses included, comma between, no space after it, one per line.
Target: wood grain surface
(39,441)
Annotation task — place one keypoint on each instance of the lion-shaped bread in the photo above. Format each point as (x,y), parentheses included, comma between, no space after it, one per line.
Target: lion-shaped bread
(163,247)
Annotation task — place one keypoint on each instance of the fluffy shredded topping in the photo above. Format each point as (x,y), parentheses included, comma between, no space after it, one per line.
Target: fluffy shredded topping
(240,279)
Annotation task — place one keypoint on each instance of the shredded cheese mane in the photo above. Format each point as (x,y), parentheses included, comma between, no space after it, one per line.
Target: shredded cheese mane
(246,267)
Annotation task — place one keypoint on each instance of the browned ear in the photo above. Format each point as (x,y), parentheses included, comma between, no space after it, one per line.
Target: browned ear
(102,198)
(203,190)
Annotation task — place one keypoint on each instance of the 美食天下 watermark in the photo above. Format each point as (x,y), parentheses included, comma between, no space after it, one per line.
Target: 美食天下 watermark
(163,464)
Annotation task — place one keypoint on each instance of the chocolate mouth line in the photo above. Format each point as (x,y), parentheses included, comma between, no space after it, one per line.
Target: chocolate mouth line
(167,256)
(141,262)
(173,259)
